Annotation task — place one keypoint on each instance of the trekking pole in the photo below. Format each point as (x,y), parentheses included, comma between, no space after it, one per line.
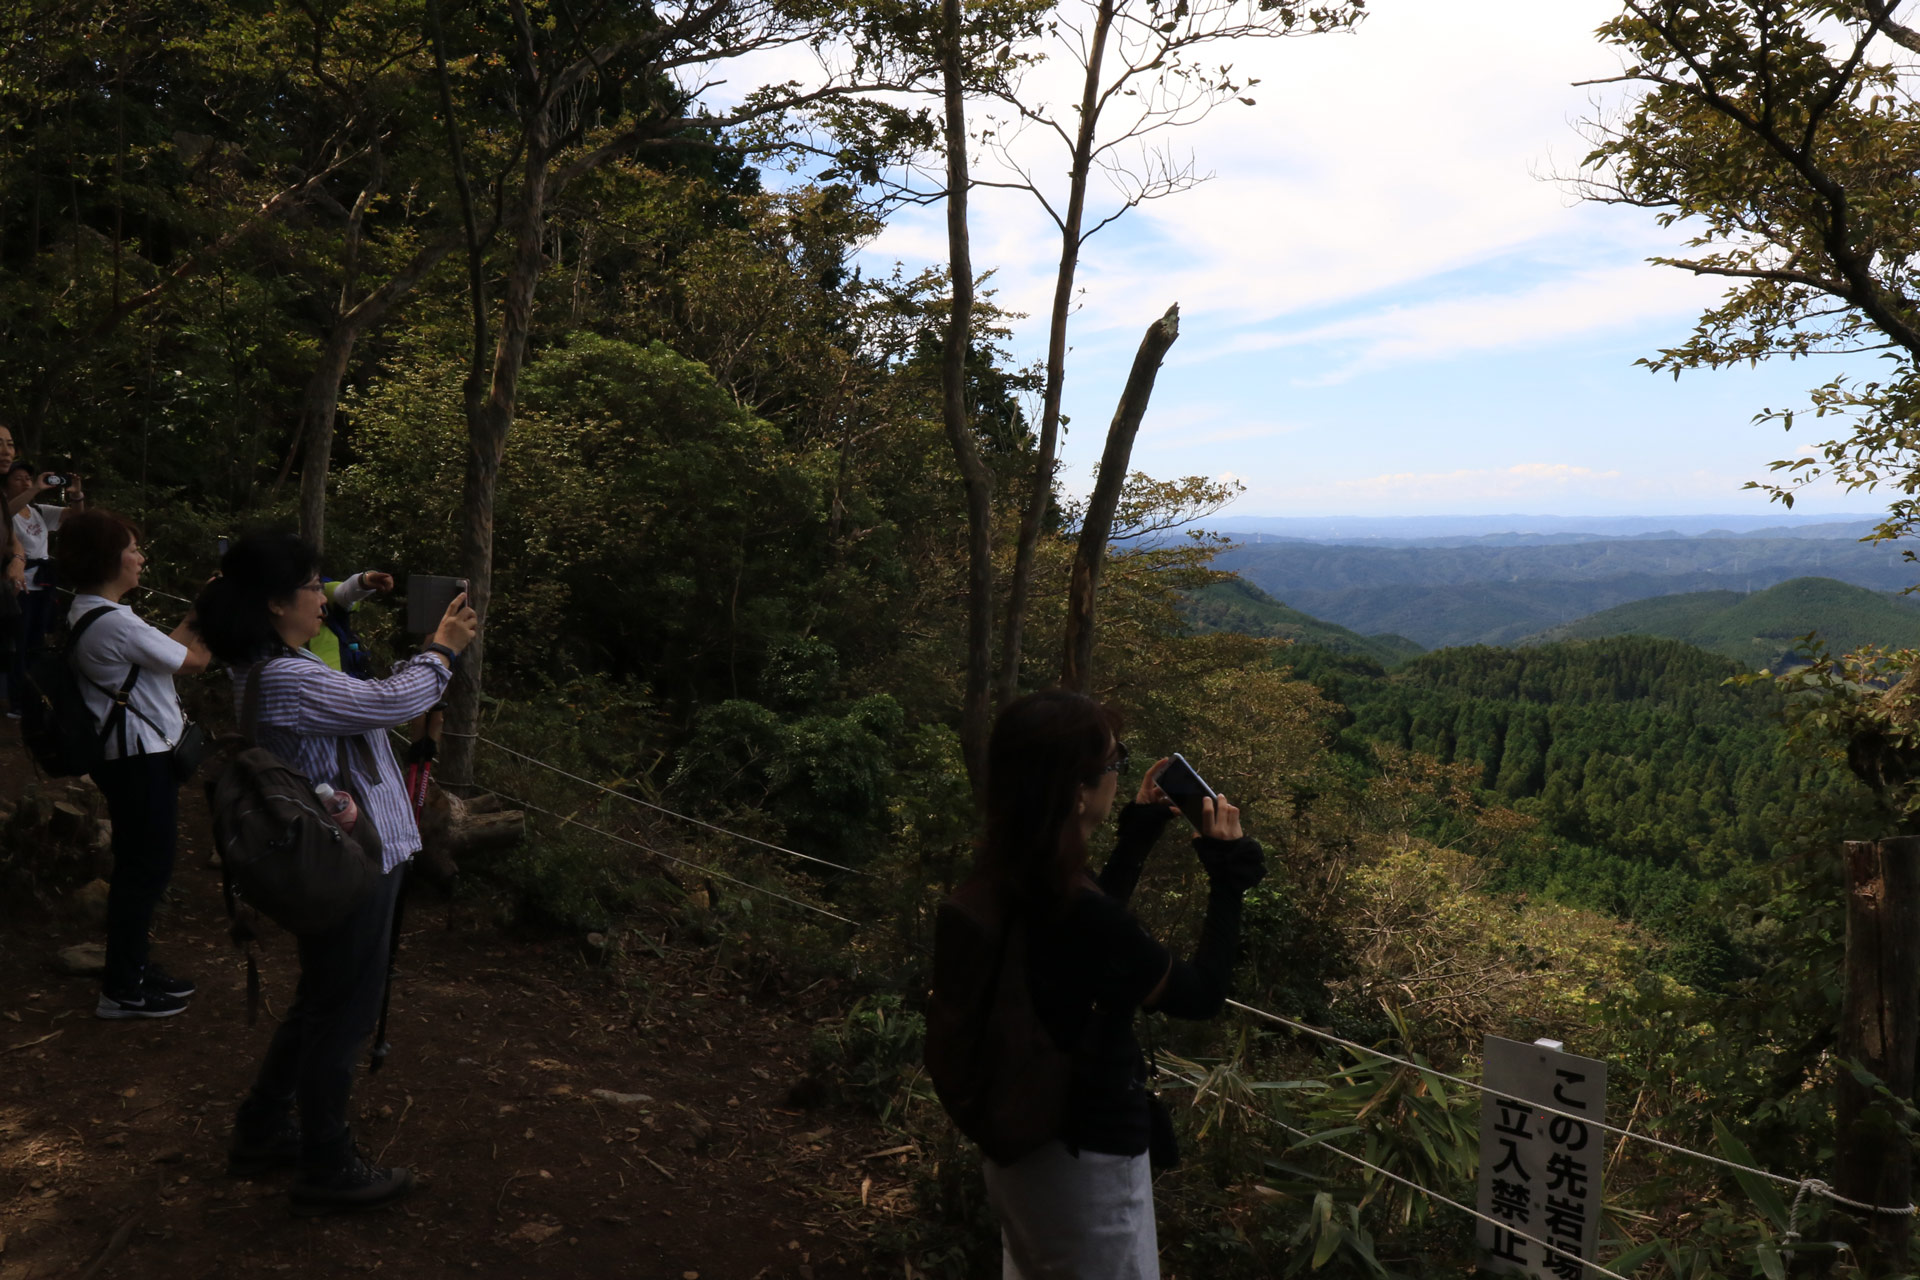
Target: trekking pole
(420,755)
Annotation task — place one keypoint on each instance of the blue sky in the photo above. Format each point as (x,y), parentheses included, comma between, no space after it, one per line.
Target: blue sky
(1388,305)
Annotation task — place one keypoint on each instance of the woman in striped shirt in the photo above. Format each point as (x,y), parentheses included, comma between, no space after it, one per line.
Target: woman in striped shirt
(258,617)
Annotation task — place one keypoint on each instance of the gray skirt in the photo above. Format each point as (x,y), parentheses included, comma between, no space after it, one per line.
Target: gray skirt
(1067,1217)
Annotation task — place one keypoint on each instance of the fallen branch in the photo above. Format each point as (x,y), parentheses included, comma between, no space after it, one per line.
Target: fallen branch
(14,1048)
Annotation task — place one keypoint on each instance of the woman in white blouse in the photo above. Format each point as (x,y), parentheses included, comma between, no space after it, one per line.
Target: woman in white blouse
(126,669)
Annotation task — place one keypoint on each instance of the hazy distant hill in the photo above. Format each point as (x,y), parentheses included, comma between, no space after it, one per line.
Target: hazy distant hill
(1379,528)
(1759,628)
(1481,594)
(1238,605)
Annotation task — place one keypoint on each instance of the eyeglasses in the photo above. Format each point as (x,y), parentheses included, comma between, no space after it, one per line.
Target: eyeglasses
(315,585)
(1119,762)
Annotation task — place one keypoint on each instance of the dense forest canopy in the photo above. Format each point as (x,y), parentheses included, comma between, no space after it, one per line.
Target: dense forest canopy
(509,290)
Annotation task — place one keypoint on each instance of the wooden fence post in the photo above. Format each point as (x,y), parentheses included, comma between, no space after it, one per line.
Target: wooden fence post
(1879,1021)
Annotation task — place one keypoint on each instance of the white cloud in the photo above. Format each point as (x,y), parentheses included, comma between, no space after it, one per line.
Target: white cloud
(1382,210)
(1551,311)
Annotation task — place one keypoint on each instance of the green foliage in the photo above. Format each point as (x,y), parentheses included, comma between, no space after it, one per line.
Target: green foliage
(822,778)
(1783,135)
(1237,605)
(1862,711)
(873,1054)
(1652,773)
(1761,629)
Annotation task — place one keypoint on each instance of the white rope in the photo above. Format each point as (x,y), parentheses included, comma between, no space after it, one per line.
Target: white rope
(167,594)
(1801,1185)
(1200,1090)
(661,853)
(633,799)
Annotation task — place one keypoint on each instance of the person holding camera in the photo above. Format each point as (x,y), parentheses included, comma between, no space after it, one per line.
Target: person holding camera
(258,616)
(126,669)
(1080,1207)
(33,524)
(336,642)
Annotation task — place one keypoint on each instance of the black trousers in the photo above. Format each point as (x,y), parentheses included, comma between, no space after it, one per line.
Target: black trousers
(310,1062)
(143,800)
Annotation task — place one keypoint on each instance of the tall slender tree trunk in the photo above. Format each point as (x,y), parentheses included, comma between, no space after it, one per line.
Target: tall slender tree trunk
(317,408)
(1076,658)
(1040,497)
(975,709)
(487,441)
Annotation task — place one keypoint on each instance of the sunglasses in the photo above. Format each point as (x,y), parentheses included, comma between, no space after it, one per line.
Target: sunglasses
(1119,762)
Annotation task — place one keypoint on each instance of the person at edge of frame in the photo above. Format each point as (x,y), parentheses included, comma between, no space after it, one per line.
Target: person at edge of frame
(13,576)
(1081,1206)
(346,595)
(33,524)
(98,552)
(265,607)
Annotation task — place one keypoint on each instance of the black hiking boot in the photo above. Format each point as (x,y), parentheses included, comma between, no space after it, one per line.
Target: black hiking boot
(347,1184)
(260,1148)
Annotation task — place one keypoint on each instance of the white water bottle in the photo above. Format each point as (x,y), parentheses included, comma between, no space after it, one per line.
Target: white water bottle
(337,805)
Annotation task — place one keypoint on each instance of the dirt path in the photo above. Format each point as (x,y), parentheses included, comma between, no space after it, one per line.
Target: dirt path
(113,1134)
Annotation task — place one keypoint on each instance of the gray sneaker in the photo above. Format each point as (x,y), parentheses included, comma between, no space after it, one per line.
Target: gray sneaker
(148,1003)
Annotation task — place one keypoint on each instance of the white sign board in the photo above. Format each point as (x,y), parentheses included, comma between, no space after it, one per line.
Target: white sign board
(1539,1169)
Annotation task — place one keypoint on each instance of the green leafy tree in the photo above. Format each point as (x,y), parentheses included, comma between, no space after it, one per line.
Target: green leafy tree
(1784,138)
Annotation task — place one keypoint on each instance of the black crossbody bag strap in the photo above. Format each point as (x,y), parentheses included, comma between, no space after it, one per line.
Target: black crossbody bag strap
(117,716)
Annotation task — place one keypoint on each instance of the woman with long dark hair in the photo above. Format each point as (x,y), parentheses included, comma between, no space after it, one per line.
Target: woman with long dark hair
(258,617)
(1081,1207)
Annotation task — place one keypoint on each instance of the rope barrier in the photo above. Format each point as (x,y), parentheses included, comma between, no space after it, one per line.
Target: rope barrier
(1200,1091)
(1801,1185)
(661,853)
(633,799)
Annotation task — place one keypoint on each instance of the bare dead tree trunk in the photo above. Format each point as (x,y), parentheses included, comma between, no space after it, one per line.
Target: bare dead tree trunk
(1040,497)
(1879,1022)
(953,384)
(1076,657)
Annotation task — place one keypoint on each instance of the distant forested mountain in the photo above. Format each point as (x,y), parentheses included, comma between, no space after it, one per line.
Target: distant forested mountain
(1762,628)
(1647,772)
(1238,605)
(1481,594)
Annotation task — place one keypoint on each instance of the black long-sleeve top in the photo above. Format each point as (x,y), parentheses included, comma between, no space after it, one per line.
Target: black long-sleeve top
(1091,965)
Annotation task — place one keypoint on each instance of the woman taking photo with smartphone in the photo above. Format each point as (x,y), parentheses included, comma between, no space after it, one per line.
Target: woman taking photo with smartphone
(1080,1207)
(258,617)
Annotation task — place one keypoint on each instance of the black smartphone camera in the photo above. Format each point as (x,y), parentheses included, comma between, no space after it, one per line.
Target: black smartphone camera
(428,596)
(54,480)
(1185,787)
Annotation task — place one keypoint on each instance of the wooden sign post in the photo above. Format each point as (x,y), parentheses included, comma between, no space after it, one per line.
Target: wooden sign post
(1879,1020)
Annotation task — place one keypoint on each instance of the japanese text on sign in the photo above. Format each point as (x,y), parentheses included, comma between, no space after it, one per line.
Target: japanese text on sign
(1540,1171)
